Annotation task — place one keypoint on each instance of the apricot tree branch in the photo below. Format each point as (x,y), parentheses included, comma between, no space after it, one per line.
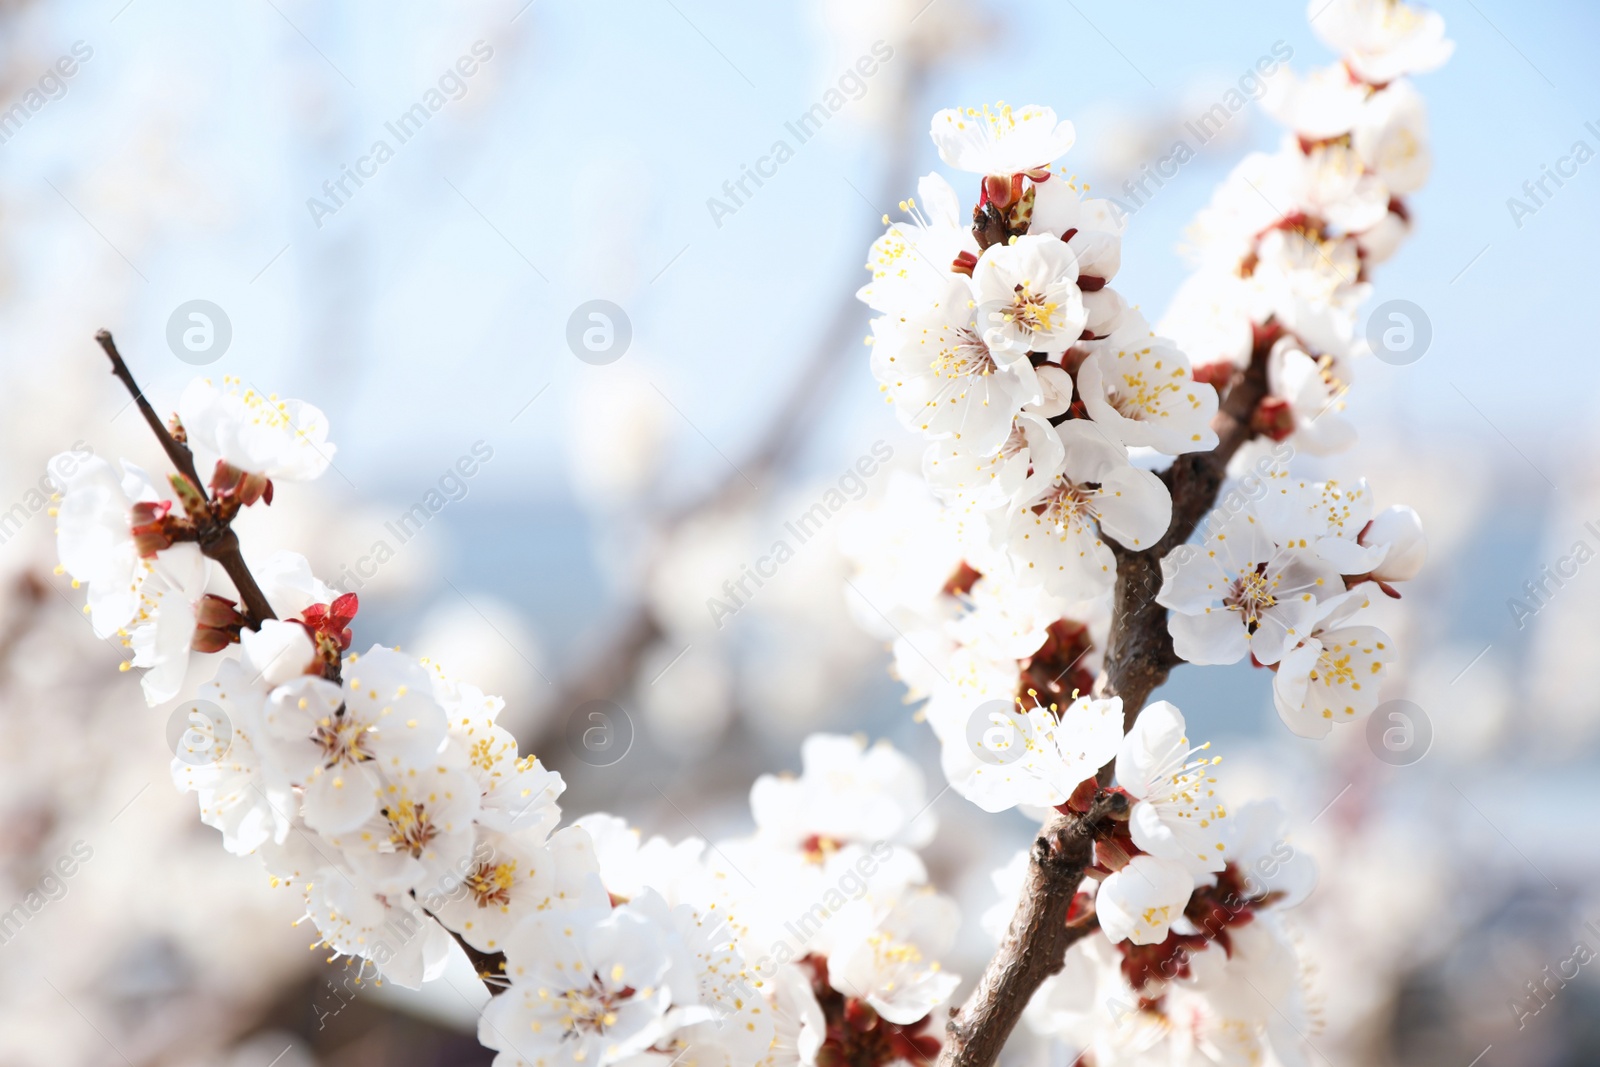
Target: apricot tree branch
(215,537)
(176,450)
(1036,943)
(1138,659)
(1139,653)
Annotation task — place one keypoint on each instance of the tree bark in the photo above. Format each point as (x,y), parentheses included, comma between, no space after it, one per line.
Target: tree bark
(1138,659)
(1036,943)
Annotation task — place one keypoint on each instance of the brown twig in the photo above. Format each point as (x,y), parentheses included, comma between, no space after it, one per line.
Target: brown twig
(176,450)
(1138,659)
(1139,653)
(1036,942)
(216,539)
(224,548)
(488,965)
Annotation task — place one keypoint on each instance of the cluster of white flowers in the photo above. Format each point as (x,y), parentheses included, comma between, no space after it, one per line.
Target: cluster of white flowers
(1055,416)
(814,940)
(1183,874)
(1285,247)
(385,793)
(1056,420)
(1210,979)
(1004,344)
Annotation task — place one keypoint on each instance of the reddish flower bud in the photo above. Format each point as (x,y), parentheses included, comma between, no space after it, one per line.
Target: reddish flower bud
(1273,418)
(148,524)
(207,639)
(1082,798)
(961,582)
(1216,374)
(333,620)
(244,486)
(218,612)
(1114,853)
(859,1016)
(1002,190)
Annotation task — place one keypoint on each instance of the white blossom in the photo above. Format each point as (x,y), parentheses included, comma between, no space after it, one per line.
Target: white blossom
(947,375)
(1399,528)
(508,876)
(1335,674)
(1028,298)
(162,632)
(1035,756)
(1177,814)
(586,990)
(391,930)
(1391,137)
(1382,40)
(338,742)
(911,262)
(280,439)
(1140,902)
(1139,387)
(894,966)
(1060,517)
(963,476)
(94,537)
(1000,141)
(847,791)
(1239,592)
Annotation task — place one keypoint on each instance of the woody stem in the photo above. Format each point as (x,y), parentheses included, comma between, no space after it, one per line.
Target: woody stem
(216,539)
(1138,659)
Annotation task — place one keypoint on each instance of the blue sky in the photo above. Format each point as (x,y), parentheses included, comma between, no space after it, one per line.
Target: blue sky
(578,163)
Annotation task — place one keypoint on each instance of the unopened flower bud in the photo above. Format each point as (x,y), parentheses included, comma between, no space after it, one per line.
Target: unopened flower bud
(1400,528)
(1273,418)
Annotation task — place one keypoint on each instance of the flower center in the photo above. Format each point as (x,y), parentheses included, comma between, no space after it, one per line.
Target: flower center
(1068,506)
(343,741)
(1182,790)
(410,828)
(817,848)
(1032,311)
(966,356)
(490,884)
(592,1010)
(1138,397)
(1251,596)
(1334,670)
